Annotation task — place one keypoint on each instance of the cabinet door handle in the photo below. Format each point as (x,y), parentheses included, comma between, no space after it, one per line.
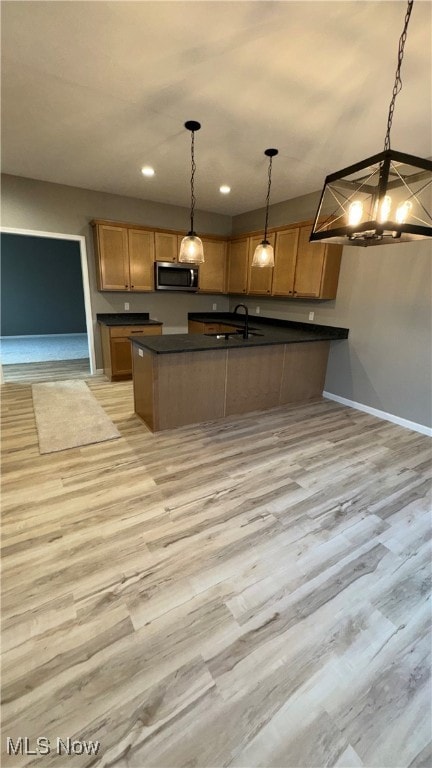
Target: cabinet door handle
(132,286)
(126,286)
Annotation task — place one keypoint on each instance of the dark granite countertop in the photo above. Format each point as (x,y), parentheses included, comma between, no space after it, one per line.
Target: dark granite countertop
(271,331)
(126,318)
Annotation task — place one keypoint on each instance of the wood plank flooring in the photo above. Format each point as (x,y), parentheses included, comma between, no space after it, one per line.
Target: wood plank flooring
(250,592)
(51,370)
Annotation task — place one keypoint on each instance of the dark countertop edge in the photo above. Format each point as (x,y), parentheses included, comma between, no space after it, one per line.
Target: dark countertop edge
(209,317)
(126,318)
(182,342)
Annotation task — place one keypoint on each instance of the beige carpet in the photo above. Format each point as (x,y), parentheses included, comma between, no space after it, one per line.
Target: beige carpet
(68,415)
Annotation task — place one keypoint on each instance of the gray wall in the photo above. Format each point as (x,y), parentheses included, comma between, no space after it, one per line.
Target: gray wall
(39,205)
(384,298)
(41,286)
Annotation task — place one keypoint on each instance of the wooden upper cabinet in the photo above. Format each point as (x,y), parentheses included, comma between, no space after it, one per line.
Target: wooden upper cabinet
(124,258)
(285,262)
(141,260)
(212,273)
(111,244)
(166,246)
(317,268)
(259,278)
(238,265)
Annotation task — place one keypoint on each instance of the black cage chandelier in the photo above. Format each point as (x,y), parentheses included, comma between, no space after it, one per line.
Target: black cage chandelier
(384,199)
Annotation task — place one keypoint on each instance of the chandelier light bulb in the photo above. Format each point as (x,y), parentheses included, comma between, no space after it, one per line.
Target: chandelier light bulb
(385,208)
(147,170)
(402,212)
(355,213)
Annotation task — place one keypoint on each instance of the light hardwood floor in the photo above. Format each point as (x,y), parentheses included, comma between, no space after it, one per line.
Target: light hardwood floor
(252,592)
(52,370)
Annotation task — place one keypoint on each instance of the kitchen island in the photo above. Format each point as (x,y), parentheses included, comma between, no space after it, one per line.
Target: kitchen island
(184,379)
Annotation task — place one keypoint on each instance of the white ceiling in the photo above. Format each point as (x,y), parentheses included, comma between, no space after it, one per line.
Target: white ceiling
(94,90)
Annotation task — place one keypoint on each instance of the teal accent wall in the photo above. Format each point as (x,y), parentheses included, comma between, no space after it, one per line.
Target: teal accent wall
(41,286)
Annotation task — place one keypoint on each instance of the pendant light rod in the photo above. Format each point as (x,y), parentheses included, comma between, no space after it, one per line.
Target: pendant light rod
(271,153)
(191,247)
(264,253)
(398,81)
(192,126)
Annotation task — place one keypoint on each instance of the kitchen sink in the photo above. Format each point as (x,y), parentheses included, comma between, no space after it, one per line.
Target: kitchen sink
(232,334)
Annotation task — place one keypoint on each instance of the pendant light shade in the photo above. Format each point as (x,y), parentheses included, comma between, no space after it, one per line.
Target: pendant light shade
(384,199)
(191,247)
(191,250)
(264,254)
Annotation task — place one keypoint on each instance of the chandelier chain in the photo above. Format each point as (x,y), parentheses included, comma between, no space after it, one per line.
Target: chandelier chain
(398,81)
(193,169)
(268,197)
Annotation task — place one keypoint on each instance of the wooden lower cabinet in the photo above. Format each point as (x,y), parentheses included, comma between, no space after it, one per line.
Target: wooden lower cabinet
(212,384)
(117,348)
(196,326)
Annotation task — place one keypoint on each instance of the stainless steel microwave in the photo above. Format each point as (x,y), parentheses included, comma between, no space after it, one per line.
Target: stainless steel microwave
(171,276)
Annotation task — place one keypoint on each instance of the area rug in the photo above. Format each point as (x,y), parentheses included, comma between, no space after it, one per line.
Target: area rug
(68,415)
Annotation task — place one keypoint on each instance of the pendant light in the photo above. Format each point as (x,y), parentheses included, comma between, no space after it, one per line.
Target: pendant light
(264,255)
(191,247)
(383,199)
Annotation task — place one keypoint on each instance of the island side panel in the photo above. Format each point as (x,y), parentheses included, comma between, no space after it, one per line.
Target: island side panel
(144,373)
(190,387)
(304,371)
(253,379)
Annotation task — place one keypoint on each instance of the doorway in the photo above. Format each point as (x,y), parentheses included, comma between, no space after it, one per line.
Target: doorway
(46,324)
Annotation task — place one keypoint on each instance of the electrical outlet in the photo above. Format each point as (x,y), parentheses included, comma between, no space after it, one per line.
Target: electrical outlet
(311,315)
(126,305)
(257,310)
(214,306)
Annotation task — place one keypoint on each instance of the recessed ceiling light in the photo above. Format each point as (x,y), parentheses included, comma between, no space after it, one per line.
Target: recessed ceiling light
(147,171)
(225,189)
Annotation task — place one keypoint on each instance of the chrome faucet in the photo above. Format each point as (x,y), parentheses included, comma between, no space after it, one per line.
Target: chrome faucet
(246,325)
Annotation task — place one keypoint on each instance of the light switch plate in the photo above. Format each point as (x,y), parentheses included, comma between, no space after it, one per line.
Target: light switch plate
(311,315)
(141,353)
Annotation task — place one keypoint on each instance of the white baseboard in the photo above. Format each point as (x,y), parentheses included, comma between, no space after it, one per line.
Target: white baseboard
(380,414)
(44,335)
